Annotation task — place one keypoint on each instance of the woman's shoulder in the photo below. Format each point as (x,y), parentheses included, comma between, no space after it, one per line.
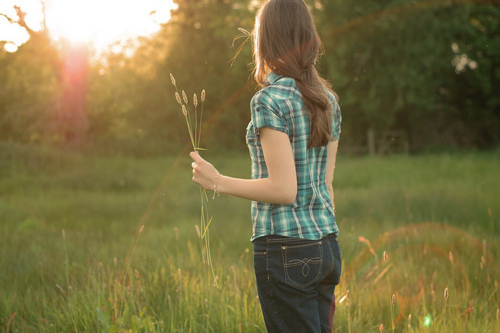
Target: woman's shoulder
(265,99)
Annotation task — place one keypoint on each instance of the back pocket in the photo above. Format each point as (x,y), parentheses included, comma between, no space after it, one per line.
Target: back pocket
(302,263)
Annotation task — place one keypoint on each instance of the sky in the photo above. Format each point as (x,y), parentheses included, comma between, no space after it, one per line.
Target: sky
(101,22)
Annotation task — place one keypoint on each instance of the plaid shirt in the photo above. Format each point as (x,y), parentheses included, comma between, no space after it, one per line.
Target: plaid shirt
(280,106)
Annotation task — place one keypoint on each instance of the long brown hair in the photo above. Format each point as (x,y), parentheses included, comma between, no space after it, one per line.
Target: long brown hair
(286,42)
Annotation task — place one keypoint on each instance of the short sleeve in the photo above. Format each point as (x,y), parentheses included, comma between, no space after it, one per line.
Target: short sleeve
(266,113)
(337,120)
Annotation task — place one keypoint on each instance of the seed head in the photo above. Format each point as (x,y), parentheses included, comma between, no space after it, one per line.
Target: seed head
(178,98)
(198,231)
(184,97)
(141,229)
(172,79)
(393,300)
(195,100)
(347,295)
(136,273)
(409,320)
(450,255)
(381,328)
(385,256)
(446,293)
(203,95)
(115,261)
(244,31)
(184,111)
(498,313)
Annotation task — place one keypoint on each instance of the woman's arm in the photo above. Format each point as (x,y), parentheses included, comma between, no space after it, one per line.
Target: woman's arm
(330,168)
(279,188)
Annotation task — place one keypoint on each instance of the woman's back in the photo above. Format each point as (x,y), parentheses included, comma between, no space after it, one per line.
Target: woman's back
(280,106)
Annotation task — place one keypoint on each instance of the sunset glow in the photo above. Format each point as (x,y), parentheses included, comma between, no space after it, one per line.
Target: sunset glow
(100,22)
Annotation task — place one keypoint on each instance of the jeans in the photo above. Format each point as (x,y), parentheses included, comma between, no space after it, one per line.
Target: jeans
(296,280)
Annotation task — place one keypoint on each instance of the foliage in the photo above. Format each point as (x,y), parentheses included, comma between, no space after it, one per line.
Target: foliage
(131,95)
(201,35)
(426,69)
(394,67)
(29,91)
(473,96)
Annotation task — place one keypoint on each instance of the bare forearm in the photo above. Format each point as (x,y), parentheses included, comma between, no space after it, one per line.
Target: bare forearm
(262,190)
(330,169)
(280,187)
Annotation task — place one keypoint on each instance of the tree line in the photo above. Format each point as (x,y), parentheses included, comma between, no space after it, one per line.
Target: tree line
(419,74)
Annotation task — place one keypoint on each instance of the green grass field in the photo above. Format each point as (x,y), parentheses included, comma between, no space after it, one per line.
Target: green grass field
(109,244)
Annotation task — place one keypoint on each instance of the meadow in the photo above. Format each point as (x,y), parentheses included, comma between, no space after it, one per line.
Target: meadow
(109,243)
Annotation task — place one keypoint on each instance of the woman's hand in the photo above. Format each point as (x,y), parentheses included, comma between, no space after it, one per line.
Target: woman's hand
(204,173)
(279,188)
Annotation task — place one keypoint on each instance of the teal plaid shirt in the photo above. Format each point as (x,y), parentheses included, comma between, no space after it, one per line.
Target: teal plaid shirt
(280,106)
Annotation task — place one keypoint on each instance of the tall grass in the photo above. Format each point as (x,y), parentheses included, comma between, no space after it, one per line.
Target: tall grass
(435,217)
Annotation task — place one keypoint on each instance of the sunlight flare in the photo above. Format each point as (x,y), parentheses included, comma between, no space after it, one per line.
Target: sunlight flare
(104,22)
(100,22)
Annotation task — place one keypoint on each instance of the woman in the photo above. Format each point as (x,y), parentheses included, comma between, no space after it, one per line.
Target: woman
(292,138)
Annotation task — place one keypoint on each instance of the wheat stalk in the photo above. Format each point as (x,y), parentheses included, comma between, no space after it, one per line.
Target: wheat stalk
(194,129)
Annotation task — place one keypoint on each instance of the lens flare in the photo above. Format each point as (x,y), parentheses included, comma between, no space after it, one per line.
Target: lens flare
(427,321)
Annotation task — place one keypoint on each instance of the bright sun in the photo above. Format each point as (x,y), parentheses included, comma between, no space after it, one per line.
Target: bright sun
(105,21)
(100,22)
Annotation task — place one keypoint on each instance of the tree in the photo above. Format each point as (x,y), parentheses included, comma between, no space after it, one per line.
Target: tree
(48,80)
(392,61)
(196,47)
(29,87)
(471,93)
(428,69)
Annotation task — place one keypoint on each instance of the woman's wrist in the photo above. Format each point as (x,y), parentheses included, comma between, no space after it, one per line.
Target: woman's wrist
(219,184)
(216,187)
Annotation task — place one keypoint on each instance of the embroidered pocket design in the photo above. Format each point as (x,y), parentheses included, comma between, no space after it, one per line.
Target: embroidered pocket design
(305,264)
(302,264)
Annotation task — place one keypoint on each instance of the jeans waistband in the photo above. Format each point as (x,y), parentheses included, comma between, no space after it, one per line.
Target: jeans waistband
(290,240)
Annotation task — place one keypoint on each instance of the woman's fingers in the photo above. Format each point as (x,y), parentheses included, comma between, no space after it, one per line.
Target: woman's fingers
(196,157)
(202,171)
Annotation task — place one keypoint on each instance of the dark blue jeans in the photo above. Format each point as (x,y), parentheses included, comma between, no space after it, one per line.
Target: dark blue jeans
(296,280)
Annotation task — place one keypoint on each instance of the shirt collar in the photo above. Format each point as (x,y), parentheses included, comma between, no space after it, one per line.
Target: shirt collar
(272,77)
